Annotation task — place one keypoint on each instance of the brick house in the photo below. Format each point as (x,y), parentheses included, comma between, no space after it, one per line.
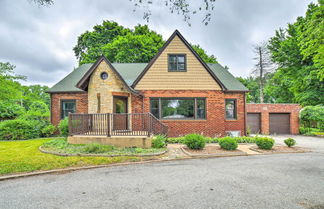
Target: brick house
(176,89)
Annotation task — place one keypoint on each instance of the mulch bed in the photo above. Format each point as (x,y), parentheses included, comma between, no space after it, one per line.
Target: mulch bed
(212,150)
(280,149)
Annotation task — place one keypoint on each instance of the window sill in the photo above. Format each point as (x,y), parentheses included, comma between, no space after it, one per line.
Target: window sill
(177,70)
(231,120)
(184,120)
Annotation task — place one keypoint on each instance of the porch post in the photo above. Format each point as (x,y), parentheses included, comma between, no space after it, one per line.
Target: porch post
(108,124)
(70,124)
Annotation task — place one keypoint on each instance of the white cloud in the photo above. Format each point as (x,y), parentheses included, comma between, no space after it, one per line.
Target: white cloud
(39,40)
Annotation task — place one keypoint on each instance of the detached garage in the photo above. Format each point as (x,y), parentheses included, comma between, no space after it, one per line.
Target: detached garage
(273,118)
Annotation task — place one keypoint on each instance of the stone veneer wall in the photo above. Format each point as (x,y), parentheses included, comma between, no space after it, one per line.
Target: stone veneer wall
(106,88)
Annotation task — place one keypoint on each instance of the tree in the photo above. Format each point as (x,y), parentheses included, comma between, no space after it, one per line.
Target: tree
(311,36)
(120,44)
(35,93)
(252,83)
(181,7)
(263,66)
(298,77)
(204,56)
(10,87)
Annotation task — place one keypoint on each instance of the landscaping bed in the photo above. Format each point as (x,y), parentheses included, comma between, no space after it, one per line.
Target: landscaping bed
(62,148)
(211,150)
(280,149)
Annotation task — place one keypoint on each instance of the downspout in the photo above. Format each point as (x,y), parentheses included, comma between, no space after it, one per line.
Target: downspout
(244,113)
(51,113)
(143,103)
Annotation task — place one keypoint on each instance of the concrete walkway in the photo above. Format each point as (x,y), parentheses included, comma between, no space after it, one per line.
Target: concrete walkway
(246,148)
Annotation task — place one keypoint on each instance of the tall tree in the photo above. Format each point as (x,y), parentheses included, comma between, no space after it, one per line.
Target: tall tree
(252,83)
(121,44)
(263,66)
(10,88)
(299,55)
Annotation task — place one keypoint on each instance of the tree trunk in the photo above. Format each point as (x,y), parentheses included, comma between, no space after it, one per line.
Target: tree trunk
(261,76)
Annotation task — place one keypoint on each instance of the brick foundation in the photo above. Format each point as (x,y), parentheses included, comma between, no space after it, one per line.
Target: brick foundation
(265,109)
(81,104)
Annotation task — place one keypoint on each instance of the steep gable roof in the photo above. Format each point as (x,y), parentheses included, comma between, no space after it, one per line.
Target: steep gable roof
(130,71)
(84,81)
(177,33)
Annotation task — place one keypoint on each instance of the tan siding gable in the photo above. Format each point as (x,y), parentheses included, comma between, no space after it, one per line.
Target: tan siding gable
(158,78)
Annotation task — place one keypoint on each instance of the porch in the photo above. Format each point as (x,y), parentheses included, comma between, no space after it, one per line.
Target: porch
(118,129)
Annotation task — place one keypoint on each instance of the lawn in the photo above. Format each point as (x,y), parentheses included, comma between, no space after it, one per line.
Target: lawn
(24,156)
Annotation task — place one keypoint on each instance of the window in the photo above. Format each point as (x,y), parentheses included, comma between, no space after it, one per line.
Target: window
(178,108)
(201,110)
(177,62)
(230,108)
(104,75)
(67,106)
(155,107)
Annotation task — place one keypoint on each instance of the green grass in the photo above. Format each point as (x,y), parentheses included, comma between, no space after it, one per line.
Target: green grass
(61,146)
(24,156)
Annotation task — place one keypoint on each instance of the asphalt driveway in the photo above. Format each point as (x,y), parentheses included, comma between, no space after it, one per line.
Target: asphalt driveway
(314,143)
(263,181)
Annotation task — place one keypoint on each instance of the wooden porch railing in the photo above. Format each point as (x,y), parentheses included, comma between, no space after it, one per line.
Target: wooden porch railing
(116,124)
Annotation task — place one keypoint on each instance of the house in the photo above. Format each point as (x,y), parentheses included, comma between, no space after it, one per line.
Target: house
(176,93)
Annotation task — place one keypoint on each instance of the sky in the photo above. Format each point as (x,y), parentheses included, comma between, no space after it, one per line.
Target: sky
(39,40)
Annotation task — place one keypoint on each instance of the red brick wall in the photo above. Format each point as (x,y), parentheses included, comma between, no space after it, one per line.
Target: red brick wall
(81,104)
(265,109)
(213,125)
(239,123)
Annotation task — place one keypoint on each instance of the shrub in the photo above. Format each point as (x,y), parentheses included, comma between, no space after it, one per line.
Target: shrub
(264,142)
(64,127)
(195,141)
(312,117)
(17,129)
(290,142)
(48,130)
(97,148)
(159,141)
(10,110)
(211,140)
(228,143)
(245,139)
(175,140)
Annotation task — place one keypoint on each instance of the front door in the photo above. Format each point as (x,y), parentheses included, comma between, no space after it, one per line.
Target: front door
(120,115)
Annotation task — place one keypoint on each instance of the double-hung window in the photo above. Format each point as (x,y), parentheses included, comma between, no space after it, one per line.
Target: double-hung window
(177,63)
(230,108)
(67,106)
(178,108)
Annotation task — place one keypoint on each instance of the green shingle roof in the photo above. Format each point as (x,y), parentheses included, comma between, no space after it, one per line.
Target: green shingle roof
(130,71)
(229,81)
